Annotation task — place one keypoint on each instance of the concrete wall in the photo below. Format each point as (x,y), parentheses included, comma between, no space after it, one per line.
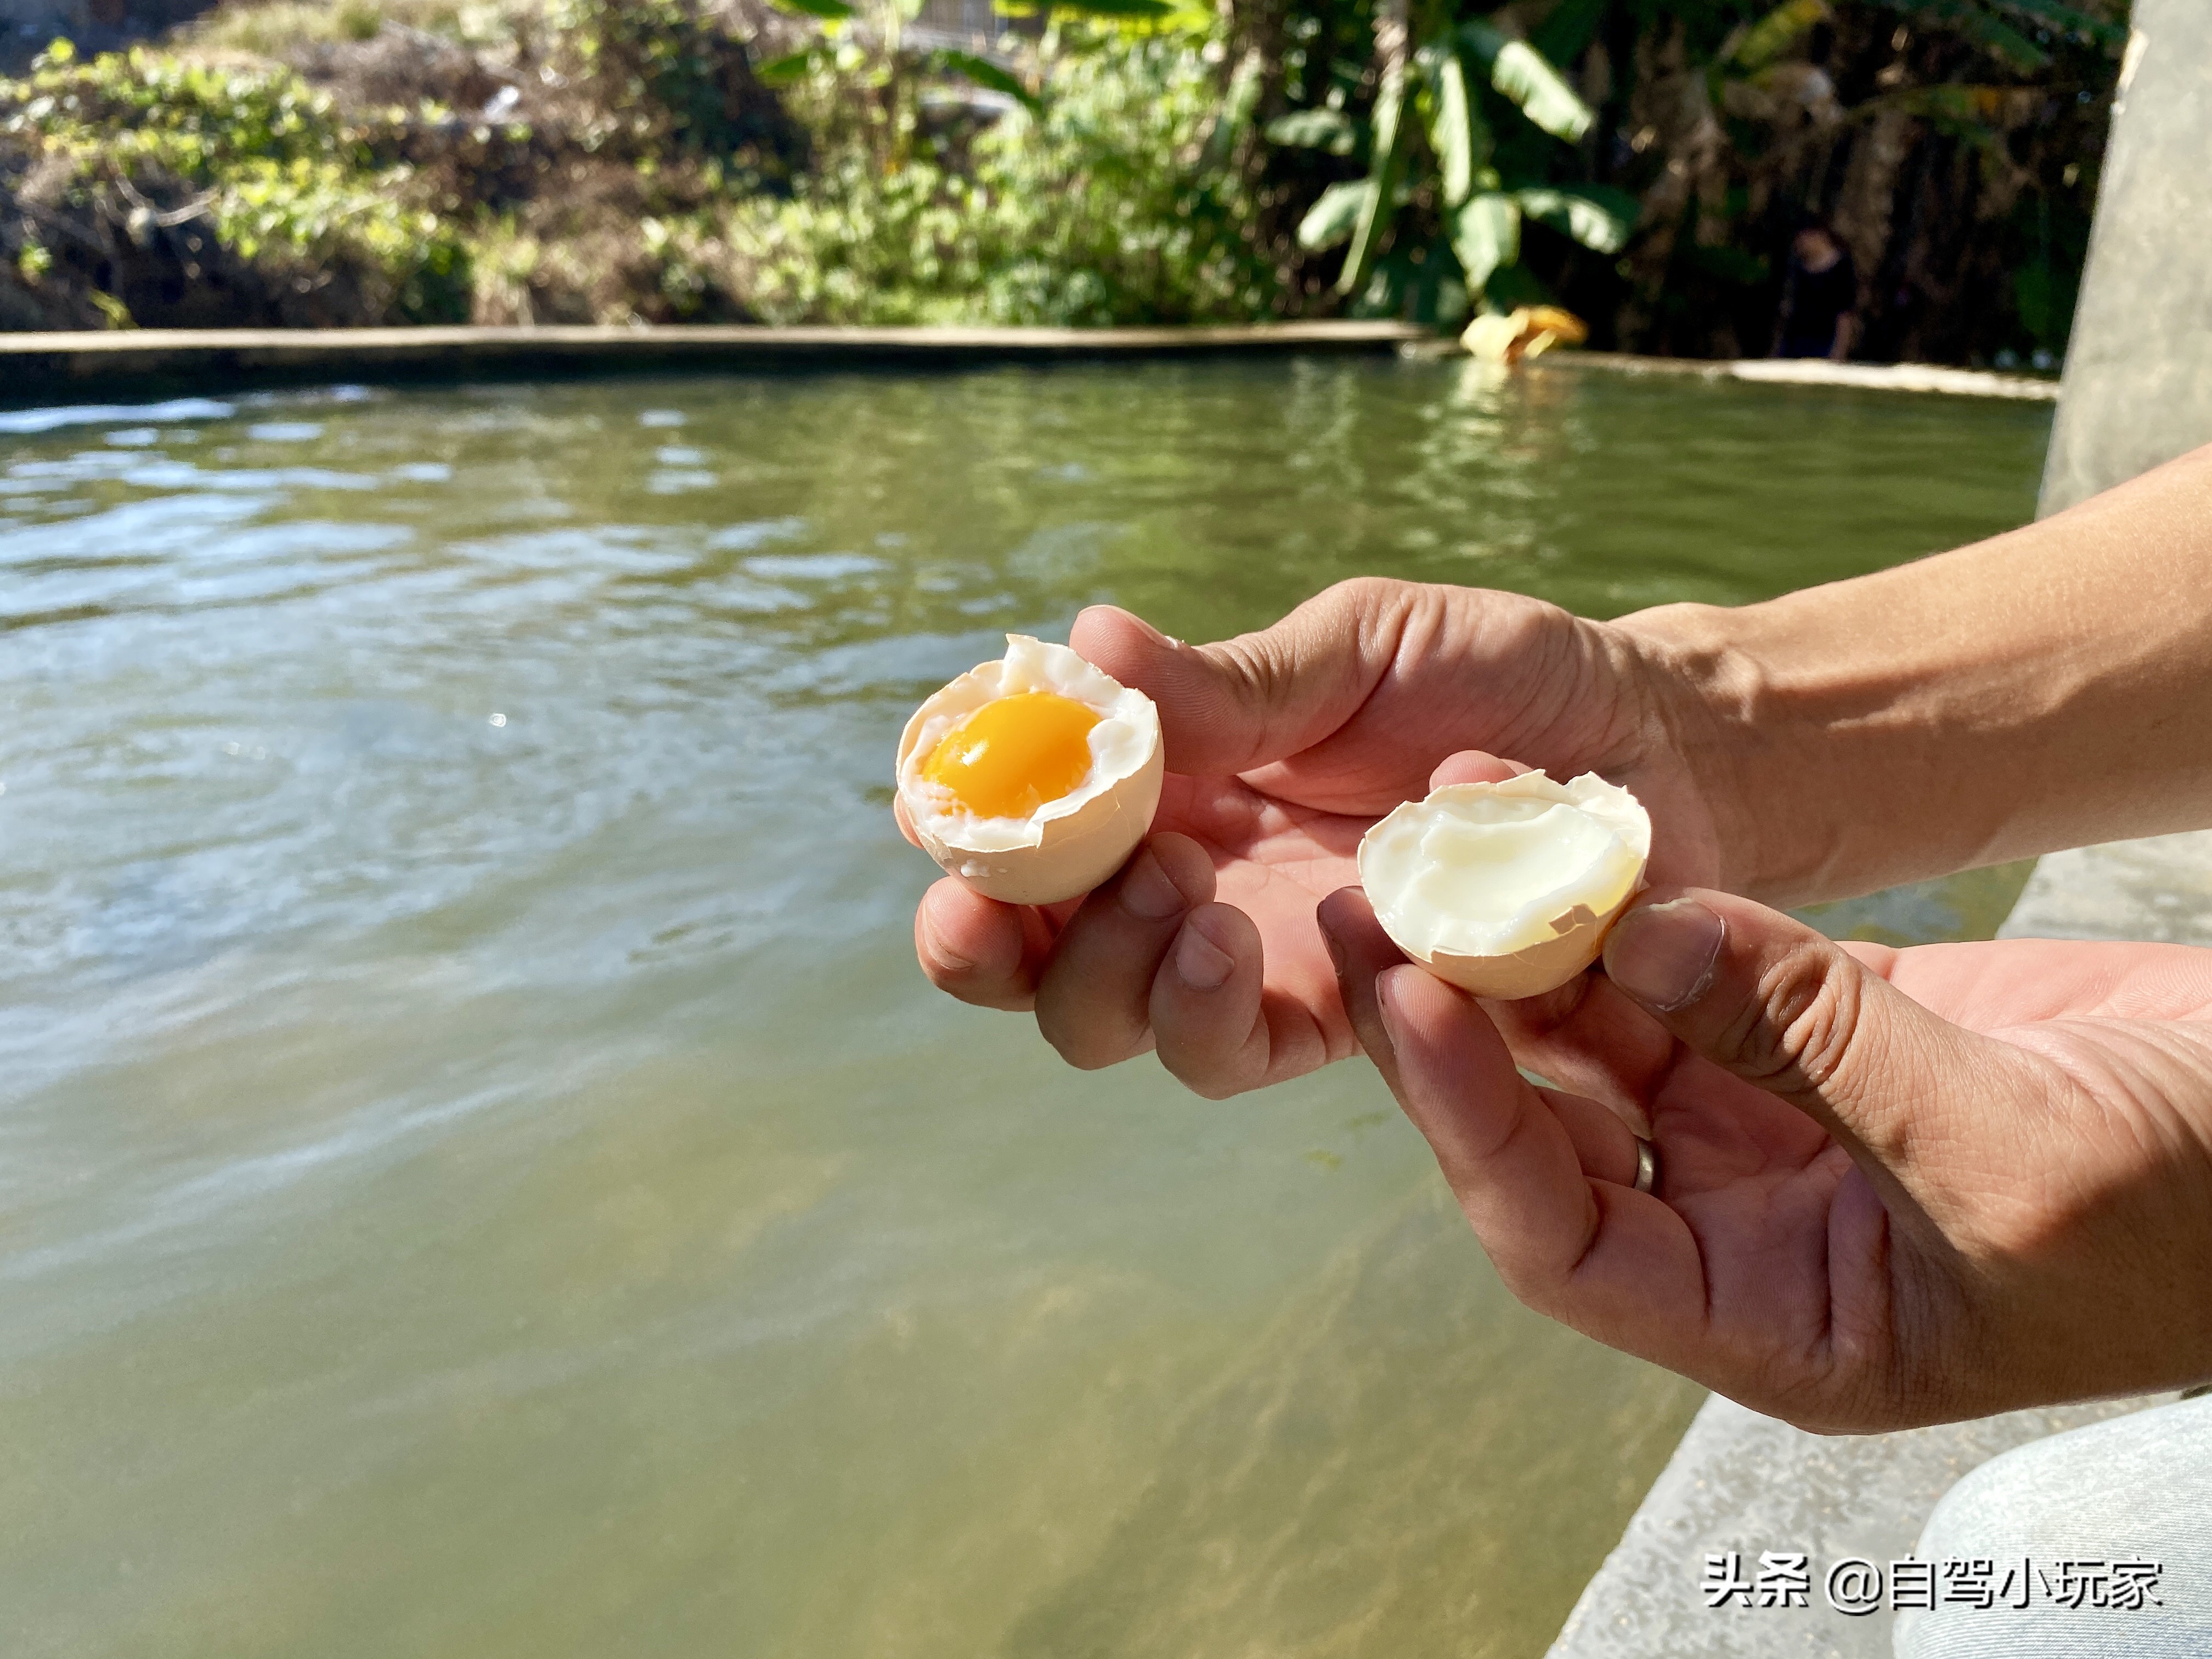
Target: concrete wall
(2138,387)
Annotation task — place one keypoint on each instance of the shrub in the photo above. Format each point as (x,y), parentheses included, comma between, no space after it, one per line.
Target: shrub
(275,172)
(1107,204)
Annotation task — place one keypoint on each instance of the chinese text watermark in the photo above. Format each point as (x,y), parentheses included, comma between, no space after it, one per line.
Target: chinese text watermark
(1853,1585)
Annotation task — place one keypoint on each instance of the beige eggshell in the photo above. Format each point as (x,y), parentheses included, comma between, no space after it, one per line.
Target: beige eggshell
(1578,936)
(1532,972)
(1074,853)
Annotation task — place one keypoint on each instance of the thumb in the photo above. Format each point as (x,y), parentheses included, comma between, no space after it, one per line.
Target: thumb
(1770,999)
(1244,702)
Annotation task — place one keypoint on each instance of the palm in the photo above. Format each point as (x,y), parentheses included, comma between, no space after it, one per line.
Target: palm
(1775,1249)
(1283,836)
(1274,860)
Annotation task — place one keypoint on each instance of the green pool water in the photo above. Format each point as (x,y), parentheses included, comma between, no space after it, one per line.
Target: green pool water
(479,1174)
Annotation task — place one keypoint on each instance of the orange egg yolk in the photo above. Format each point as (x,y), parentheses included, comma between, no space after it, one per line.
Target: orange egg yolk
(1014,754)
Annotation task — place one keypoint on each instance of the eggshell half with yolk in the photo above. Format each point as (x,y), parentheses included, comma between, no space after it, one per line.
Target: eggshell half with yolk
(1045,845)
(1507,889)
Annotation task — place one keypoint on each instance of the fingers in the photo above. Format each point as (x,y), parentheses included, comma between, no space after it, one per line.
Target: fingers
(1360,952)
(1586,1037)
(1147,961)
(1221,1028)
(1611,1262)
(1770,999)
(1604,1146)
(1094,996)
(1204,1006)
(1231,707)
(1472,766)
(978,950)
(1591,1037)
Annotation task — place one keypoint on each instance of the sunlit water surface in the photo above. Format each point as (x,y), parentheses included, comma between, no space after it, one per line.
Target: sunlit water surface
(479,1174)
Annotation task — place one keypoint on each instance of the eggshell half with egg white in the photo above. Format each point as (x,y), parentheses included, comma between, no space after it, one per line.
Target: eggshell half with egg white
(1068,846)
(1507,889)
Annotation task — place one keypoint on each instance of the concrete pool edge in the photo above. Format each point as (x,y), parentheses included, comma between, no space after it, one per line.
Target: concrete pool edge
(1920,378)
(65,366)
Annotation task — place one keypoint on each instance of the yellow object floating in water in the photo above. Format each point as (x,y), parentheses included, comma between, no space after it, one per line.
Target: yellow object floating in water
(1508,336)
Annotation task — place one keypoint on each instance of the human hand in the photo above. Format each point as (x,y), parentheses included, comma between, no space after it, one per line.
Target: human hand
(1895,1187)
(1283,747)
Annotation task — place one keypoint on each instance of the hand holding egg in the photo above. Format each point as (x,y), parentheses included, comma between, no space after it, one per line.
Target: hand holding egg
(1032,778)
(1210,944)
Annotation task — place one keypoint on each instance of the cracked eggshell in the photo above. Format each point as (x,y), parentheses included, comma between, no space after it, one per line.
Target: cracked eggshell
(1066,847)
(1558,927)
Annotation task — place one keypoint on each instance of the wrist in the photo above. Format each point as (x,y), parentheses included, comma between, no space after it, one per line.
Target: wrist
(1701,688)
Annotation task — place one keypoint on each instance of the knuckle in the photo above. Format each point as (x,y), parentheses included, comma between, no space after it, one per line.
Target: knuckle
(1363,594)
(1211,1089)
(1081,1045)
(1798,1030)
(1207,1073)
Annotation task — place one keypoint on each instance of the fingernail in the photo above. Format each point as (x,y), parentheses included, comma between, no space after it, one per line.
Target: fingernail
(1143,626)
(1199,963)
(1663,954)
(1145,891)
(1336,952)
(1158,636)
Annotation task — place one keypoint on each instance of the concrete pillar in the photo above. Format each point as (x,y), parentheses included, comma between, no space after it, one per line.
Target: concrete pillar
(2138,385)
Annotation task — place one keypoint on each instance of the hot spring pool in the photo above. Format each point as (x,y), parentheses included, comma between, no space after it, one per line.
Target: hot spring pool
(479,1174)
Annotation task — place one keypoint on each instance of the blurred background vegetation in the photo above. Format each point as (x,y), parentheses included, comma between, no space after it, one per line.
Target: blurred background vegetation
(1642,162)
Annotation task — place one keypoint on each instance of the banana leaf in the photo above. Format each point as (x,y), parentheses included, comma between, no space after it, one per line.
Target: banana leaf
(1458,134)
(1594,215)
(994,77)
(1520,74)
(1775,33)
(1315,129)
(1975,24)
(1388,160)
(1331,219)
(783,71)
(1486,234)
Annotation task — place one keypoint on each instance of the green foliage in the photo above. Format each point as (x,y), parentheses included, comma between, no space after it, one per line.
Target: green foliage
(1526,80)
(1386,164)
(1331,218)
(660,60)
(1162,162)
(1599,216)
(1437,190)
(190,117)
(279,172)
(1098,208)
(1777,32)
(1326,130)
(1485,234)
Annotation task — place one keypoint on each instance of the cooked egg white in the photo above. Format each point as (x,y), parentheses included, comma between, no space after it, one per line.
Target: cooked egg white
(1506,890)
(1031,778)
